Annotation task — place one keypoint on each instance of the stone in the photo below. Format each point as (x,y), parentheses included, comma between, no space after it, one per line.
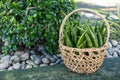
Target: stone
(28,66)
(43,65)
(48,56)
(10,62)
(30,62)
(109,56)
(118,47)
(114,42)
(19,53)
(5,58)
(4,65)
(17,66)
(35,65)
(107,53)
(110,51)
(32,57)
(119,53)
(52,64)
(119,42)
(2,55)
(32,52)
(37,60)
(24,56)
(45,60)
(59,55)
(43,56)
(54,56)
(15,58)
(23,65)
(115,54)
(10,68)
(58,61)
(109,45)
(52,60)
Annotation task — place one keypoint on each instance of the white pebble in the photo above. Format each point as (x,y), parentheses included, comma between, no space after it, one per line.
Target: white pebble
(115,54)
(114,42)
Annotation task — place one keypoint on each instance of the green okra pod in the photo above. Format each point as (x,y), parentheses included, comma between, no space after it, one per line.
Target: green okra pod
(92,36)
(68,41)
(81,39)
(89,41)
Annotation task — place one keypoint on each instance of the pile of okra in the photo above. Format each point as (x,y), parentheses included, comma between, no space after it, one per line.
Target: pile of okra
(87,34)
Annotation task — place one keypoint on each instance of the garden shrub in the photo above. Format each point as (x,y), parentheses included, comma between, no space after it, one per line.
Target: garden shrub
(24,22)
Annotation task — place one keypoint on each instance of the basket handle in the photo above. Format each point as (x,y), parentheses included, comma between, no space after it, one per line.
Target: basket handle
(84,9)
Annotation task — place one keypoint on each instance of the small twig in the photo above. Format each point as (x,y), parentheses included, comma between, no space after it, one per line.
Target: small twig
(32,25)
(28,8)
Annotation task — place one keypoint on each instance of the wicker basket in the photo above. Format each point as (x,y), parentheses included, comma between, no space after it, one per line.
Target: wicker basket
(82,63)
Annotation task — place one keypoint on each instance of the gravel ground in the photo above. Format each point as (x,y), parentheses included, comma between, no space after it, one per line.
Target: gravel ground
(29,59)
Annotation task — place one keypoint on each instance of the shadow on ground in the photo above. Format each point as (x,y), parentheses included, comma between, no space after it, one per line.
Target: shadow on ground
(110,70)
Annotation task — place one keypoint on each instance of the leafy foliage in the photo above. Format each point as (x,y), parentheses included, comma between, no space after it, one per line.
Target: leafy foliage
(24,22)
(116,25)
(113,21)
